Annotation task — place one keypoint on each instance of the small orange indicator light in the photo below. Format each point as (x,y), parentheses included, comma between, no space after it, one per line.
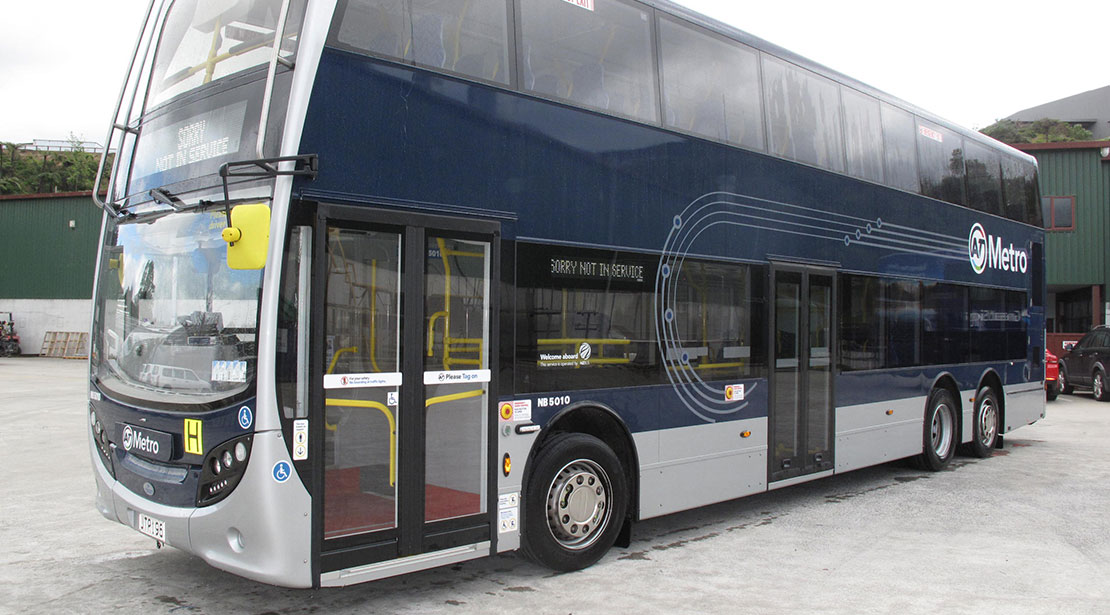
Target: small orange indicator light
(890,413)
(507,411)
(506,464)
(745,434)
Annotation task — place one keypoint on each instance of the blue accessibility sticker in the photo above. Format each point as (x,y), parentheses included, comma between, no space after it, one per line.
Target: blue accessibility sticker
(246,417)
(282,471)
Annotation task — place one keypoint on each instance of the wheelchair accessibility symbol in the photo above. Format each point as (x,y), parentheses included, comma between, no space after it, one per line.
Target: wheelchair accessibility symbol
(282,471)
(246,417)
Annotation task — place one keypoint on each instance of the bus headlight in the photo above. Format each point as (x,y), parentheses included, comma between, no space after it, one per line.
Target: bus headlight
(222,470)
(100,440)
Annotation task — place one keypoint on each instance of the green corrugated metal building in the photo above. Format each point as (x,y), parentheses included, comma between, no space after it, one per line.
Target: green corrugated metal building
(49,246)
(1075,195)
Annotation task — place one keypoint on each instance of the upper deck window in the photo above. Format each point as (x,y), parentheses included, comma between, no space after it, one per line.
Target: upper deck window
(984,179)
(803,115)
(469,38)
(941,162)
(599,57)
(203,41)
(863,135)
(899,148)
(710,86)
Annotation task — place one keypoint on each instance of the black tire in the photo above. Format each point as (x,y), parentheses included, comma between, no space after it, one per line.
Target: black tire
(985,424)
(1100,386)
(940,435)
(1063,382)
(580,475)
(1052,390)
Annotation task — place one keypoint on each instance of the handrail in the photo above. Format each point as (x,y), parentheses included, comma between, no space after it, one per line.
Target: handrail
(113,125)
(431,401)
(335,357)
(359,403)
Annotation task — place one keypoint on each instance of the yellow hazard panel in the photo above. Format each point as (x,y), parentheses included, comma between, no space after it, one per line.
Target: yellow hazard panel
(194,437)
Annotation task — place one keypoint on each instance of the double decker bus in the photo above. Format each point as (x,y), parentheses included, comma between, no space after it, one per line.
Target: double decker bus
(386,285)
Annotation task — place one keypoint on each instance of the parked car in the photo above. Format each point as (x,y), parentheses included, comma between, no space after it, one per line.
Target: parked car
(1087,364)
(1051,375)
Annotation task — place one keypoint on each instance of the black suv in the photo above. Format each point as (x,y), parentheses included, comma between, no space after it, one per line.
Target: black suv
(1088,364)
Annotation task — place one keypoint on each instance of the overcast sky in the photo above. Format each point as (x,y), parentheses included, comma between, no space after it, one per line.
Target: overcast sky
(970,61)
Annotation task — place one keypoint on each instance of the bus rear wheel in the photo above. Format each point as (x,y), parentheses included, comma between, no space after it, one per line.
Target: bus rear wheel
(985,427)
(939,437)
(575,502)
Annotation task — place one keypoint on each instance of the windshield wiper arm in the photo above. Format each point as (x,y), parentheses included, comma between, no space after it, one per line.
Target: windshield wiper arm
(165,198)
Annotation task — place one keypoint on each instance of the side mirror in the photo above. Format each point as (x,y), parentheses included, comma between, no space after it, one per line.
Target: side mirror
(248,237)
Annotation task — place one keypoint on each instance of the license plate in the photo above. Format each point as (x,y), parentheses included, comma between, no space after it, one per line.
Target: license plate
(155,528)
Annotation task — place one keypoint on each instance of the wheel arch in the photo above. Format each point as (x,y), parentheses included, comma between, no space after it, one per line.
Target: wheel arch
(993,380)
(947,381)
(603,423)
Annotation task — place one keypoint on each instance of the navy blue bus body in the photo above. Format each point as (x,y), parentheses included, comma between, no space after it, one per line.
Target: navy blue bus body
(393,136)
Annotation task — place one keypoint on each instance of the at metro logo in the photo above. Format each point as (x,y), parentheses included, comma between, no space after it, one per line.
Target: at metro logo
(985,251)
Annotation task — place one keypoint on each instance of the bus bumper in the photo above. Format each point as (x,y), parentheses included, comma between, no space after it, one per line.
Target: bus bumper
(261,531)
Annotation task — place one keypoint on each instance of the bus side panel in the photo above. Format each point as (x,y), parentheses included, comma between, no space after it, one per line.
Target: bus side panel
(1024,403)
(701,465)
(870,434)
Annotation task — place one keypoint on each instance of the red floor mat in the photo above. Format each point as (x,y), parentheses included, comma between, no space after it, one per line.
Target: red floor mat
(347,510)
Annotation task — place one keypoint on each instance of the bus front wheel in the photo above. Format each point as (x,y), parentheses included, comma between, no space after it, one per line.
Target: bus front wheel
(939,438)
(575,502)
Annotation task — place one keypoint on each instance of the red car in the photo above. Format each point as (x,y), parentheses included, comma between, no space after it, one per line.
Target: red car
(1051,375)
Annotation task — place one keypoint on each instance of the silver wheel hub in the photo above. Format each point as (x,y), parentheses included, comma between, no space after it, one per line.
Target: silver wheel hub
(1098,384)
(578,504)
(941,430)
(988,422)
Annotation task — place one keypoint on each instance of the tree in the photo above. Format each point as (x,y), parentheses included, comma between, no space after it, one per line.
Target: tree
(1044,130)
(27,172)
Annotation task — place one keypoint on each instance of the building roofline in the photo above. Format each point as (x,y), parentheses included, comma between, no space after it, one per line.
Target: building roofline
(47,195)
(1030,147)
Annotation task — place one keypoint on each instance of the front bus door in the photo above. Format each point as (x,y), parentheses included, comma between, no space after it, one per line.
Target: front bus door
(801,420)
(403,372)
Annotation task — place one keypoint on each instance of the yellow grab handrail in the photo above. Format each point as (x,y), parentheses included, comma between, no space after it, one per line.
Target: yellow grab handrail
(431,401)
(359,403)
(335,357)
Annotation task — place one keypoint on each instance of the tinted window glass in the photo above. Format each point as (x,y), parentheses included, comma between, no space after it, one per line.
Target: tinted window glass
(900,148)
(984,179)
(998,324)
(1019,182)
(944,330)
(710,86)
(940,162)
(600,58)
(586,319)
(718,316)
(470,38)
(803,115)
(901,313)
(861,324)
(863,135)
(381,27)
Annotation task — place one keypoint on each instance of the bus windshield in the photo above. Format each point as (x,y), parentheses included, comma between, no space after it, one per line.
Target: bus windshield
(204,40)
(175,325)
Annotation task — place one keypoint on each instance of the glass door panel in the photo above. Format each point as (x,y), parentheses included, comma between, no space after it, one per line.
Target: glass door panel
(362,380)
(802,389)
(788,346)
(456,376)
(819,372)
